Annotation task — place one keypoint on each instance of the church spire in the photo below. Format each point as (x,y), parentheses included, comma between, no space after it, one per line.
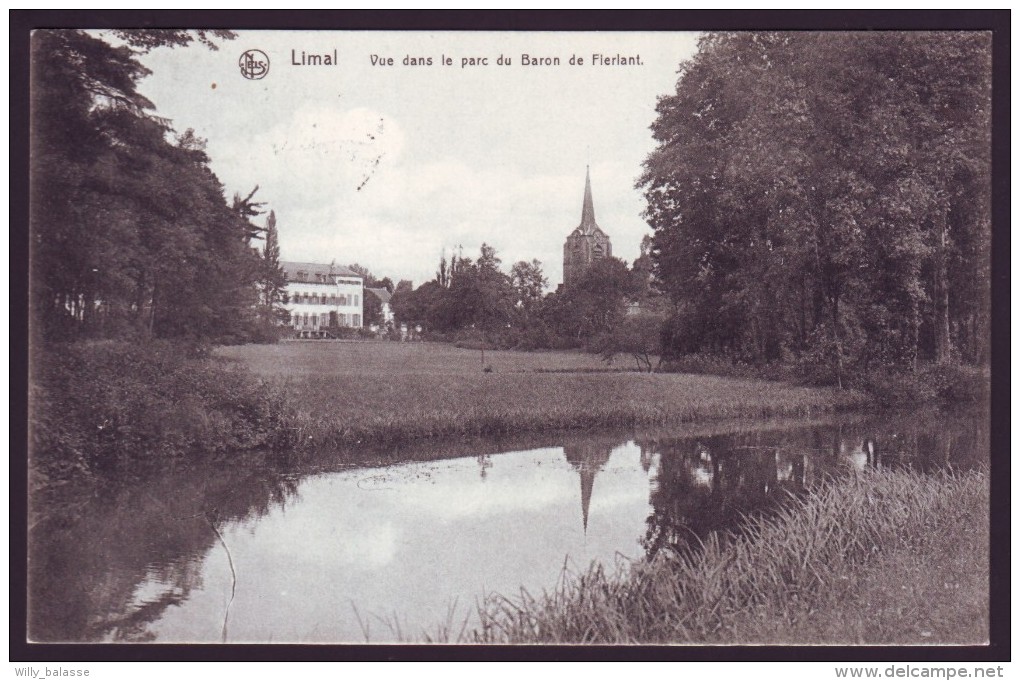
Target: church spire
(587,483)
(588,224)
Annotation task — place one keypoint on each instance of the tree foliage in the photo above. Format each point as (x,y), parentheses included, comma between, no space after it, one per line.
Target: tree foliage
(272,282)
(130,230)
(825,196)
(465,294)
(476,300)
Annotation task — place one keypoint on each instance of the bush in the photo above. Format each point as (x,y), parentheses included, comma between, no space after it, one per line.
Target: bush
(951,384)
(97,405)
(474,339)
(267,333)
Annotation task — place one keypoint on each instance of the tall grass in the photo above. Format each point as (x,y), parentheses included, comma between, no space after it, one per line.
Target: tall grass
(877,558)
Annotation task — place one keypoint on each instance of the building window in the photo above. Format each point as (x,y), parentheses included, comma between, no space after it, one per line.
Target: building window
(355,301)
(300,275)
(324,319)
(304,321)
(356,320)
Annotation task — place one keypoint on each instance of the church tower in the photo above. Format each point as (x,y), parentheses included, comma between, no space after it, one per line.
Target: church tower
(587,242)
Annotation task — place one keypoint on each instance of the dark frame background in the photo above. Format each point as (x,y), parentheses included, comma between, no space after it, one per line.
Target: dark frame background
(997,21)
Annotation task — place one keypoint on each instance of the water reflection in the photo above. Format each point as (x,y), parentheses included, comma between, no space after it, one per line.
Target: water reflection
(706,484)
(588,457)
(89,550)
(406,531)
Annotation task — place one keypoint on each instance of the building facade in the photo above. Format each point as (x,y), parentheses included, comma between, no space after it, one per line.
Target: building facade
(322,299)
(587,243)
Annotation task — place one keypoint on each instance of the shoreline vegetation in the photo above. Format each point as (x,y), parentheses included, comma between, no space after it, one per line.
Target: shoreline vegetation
(102,405)
(105,404)
(883,557)
(828,567)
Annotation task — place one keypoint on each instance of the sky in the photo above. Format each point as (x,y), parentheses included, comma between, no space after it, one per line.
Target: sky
(390,165)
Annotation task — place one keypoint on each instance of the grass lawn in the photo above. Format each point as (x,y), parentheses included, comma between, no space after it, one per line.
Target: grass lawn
(343,393)
(381,358)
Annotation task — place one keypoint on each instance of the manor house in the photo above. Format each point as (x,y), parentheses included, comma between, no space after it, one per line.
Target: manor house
(587,243)
(322,299)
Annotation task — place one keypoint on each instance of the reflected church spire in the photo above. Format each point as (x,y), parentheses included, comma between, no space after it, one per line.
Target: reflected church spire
(587,458)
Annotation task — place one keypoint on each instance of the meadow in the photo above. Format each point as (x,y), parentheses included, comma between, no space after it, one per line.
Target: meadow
(344,393)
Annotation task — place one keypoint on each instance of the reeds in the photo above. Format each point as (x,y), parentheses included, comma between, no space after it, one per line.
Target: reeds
(816,572)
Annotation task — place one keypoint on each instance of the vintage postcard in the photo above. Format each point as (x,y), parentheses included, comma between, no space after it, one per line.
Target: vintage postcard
(627,337)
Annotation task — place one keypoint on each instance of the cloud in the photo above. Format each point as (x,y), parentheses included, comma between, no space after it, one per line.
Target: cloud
(315,155)
(464,156)
(343,189)
(401,220)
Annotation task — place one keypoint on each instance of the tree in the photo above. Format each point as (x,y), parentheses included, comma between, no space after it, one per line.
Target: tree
(273,283)
(528,283)
(372,309)
(597,300)
(487,291)
(638,335)
(826,208)
(129,227)
(248,209)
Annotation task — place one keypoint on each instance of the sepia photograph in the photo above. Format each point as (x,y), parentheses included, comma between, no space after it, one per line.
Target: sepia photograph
(584,338)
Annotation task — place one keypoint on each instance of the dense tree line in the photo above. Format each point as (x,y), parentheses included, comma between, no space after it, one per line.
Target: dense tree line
(476,298)
(130,229)
(825,197)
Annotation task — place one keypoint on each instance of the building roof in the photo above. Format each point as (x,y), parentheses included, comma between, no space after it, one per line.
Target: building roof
(588,224)
(381,293)
(313,269)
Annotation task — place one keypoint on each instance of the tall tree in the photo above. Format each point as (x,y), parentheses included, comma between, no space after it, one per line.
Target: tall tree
(273,283)
(824,206)
(595,304)
(129,226)
(528,282)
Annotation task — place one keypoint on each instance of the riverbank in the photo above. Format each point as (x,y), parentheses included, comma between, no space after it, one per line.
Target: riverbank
(347,393)
(111,403)
(878,558)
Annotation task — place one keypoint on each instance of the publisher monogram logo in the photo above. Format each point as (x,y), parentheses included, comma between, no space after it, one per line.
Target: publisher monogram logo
(254,64)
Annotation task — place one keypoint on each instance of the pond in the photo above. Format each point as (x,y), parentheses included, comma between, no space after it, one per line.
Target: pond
(402,542)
